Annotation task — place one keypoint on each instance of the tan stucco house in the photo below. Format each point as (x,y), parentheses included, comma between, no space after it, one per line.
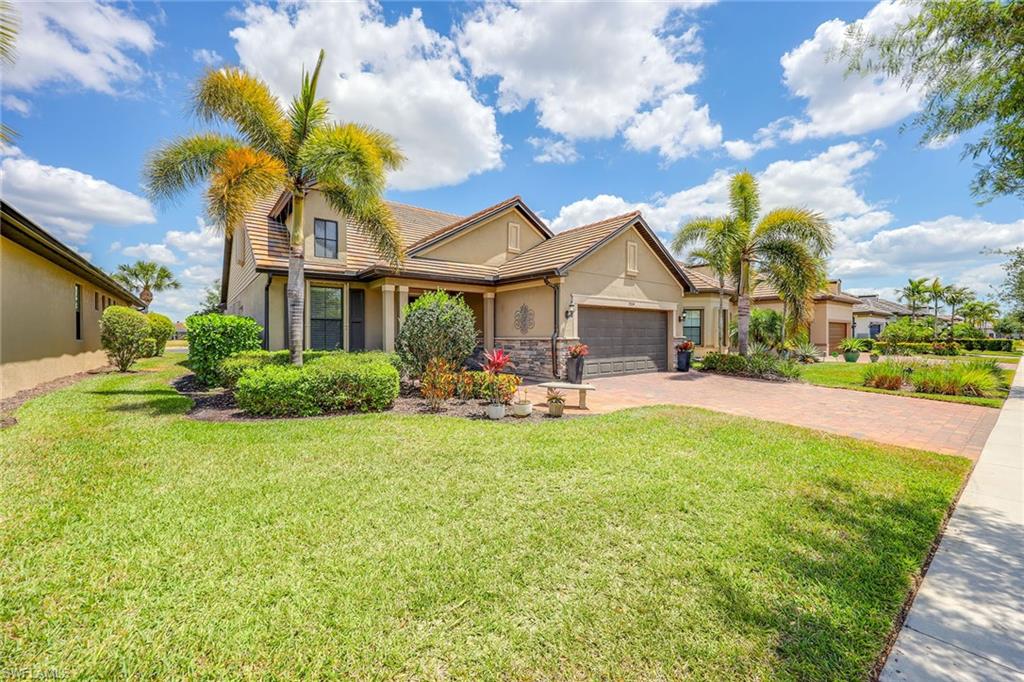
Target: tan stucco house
(831,323)
(610,284)
(873,313)
(51,300)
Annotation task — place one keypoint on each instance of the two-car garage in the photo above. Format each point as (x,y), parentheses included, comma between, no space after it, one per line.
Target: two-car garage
(624,340)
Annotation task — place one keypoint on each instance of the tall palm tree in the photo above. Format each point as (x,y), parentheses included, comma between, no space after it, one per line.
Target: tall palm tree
(274,150)
(914,294)
(8,37)
(796,289)
(956,296)
(793,238)
(976,313)
(936,290)
(145,277)
(717,253)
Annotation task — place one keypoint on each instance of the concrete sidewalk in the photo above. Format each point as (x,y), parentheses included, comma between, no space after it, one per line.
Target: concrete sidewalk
(967,621)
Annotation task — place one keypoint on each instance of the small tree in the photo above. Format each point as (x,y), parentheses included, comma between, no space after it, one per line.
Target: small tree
(436,326)
(161,329)
(123,333)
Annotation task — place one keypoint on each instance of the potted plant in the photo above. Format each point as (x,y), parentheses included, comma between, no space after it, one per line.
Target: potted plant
(556,402)
(574,364)
(684,353)
(522,407)
(874,356)
(495,361)
(851,348)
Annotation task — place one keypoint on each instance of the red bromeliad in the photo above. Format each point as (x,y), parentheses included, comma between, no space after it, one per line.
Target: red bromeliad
(496,360)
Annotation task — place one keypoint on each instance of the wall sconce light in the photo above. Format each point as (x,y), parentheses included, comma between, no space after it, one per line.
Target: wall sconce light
(682,316)
(570,312)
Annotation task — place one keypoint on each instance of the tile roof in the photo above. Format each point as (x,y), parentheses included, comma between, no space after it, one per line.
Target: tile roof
(564,247)
(871,303)
(705,281)
(701,276)
(454,226)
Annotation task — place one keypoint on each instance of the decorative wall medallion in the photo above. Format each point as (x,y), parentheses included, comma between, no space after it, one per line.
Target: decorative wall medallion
(524,319)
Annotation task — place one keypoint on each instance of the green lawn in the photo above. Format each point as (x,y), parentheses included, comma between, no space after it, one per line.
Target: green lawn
(850,375)
(652,543)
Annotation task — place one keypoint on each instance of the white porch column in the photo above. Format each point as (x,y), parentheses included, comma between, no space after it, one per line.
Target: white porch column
(387,297)
(488,320)
(403,300)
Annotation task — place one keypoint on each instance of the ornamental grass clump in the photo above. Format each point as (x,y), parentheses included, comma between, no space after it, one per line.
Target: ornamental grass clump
(981,380)
(887,375)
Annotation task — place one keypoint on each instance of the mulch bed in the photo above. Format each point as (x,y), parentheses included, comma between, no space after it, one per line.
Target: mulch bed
(9,405)
(218,405)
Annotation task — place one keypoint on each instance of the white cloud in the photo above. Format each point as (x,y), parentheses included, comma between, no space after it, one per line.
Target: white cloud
(202,245)
(592,74)
(677,128)
(206,57)
(17,105)
(200,274)
(154,252)
(551,150)
(401,77)
(85,44)
(65,200)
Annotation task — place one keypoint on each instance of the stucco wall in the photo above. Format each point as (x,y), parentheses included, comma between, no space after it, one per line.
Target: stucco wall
(37,339)
(708,303)
(540,301)
(487,243)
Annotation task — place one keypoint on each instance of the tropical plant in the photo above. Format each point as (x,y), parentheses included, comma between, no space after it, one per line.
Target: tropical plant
(955,378)
(766,328)
(8,38)
(802,350)
(956,296)
(579,350)
(438,383)
(936,291)
(436,325)
(977,313)
(914,294)
(495,362)
(963,57)
(144,277)
(796,289)
(852,345)
(123,334)
(717,250)
(905,329)
(278,151)
(555,396)
(887,375)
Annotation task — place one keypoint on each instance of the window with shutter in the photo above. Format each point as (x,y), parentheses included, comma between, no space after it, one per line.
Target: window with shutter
(326,318)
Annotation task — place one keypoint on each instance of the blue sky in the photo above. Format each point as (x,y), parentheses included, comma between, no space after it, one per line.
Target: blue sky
(585,111)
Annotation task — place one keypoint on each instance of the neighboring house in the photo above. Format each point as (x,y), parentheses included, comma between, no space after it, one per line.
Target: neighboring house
(610,284)
(873,313)
(51,300)
(180,331)
(831,323)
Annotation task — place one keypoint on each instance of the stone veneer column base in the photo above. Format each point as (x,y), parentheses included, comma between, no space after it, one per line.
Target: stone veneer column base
(532,357)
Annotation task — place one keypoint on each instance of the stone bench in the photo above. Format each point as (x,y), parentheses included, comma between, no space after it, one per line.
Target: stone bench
(566,386)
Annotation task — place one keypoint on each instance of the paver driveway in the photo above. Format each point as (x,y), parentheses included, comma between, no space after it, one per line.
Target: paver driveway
(951,428)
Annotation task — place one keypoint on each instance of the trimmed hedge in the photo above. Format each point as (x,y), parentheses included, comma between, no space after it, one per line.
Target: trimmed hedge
(1003,345)
(230,369)
(124,334)
(161,329)
(331,383)
(758,365)
(213,337)
(943,347)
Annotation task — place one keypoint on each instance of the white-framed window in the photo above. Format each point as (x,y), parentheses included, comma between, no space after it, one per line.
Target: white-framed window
(513,237)
(693,325)
(632,258)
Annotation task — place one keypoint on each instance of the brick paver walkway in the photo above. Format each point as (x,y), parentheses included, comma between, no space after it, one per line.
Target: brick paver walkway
(951,428)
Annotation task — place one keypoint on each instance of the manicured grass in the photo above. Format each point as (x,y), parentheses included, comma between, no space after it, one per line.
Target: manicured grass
(656,543)
(850,375)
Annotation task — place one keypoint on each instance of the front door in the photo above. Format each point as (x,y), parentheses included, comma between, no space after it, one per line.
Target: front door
(356,319)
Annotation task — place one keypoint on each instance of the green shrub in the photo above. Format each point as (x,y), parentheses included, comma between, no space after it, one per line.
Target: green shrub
(213,337)
(436,325)
(148,348)
(329,382)
(161,329)
(888,375)
(852,345)
(1000,345)
(123,334)
(906,330)
(962,330)
(940,348)
(757,365)
(231,368)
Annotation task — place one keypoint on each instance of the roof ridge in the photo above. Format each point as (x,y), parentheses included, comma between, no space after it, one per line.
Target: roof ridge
(598,222)
(462,221)
(422,208)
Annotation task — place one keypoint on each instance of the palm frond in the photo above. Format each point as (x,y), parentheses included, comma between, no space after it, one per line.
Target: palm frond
(744,199)
(184,162)
(801,224)
(241,178)
(234,96)
(697,231)
(352,155)
(8,31)
(307,112)
(371,215)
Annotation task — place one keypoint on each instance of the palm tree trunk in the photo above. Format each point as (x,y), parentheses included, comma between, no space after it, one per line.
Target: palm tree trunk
(721,319)
(785,320)
(147,297)
(935,321)
(743,308)
(296,281)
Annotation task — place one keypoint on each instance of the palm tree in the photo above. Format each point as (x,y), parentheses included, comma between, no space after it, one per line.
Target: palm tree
(956,296)
(976,313)
(716,252)
(793,238)
(796,289)
(8,37)
(914,294)
(145,277)
(936,291)
(274,151)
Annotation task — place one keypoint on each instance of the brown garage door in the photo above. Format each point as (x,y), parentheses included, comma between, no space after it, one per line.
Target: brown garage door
(836,333)
(623,341)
